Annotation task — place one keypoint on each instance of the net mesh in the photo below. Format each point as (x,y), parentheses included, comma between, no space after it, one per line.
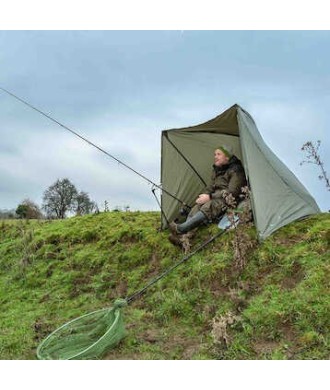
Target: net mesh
(86,337)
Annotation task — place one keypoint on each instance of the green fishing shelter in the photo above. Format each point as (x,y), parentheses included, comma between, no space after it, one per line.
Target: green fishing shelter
(277,196)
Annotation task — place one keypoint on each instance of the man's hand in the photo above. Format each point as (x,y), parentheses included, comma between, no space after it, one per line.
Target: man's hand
(203,198)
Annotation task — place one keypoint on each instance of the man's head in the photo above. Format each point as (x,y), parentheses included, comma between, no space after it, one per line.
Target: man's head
(222,155)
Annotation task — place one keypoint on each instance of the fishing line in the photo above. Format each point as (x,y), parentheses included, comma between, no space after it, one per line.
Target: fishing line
(92,144)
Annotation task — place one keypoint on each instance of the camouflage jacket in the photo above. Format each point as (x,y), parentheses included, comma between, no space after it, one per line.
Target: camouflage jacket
(228,178)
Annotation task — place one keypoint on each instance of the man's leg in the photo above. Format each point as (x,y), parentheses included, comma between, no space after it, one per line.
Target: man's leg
(192,222)
(198,215)
(195,218)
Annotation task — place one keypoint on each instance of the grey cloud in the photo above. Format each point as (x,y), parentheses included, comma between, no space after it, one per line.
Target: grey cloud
(120,89)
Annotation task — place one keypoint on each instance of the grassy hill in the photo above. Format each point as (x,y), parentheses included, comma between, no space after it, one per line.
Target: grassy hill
(276,307)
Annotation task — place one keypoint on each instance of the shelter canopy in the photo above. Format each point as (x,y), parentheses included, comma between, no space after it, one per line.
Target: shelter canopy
(278,197)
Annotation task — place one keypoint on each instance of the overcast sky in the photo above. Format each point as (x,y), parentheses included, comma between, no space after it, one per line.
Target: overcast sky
(120,89)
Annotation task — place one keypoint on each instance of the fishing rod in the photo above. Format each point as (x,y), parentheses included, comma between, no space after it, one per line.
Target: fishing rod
(95,146)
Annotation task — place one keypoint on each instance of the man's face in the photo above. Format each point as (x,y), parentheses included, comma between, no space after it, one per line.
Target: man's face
(220,158)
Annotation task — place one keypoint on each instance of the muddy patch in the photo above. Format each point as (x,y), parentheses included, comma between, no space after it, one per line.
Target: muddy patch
(294,278)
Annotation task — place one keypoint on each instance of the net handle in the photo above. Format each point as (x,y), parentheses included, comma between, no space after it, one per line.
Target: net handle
(170,269)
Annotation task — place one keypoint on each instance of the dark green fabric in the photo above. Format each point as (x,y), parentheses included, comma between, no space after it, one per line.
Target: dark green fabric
(278,197)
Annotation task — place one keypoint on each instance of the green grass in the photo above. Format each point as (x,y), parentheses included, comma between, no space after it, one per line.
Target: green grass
(54,271)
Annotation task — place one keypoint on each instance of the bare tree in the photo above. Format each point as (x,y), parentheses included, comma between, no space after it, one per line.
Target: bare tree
(313,157)
(59,199)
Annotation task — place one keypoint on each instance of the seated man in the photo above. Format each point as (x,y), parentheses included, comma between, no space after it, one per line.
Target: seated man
(228,177)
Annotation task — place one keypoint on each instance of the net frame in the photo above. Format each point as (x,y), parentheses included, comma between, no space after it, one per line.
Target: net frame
(113,334)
